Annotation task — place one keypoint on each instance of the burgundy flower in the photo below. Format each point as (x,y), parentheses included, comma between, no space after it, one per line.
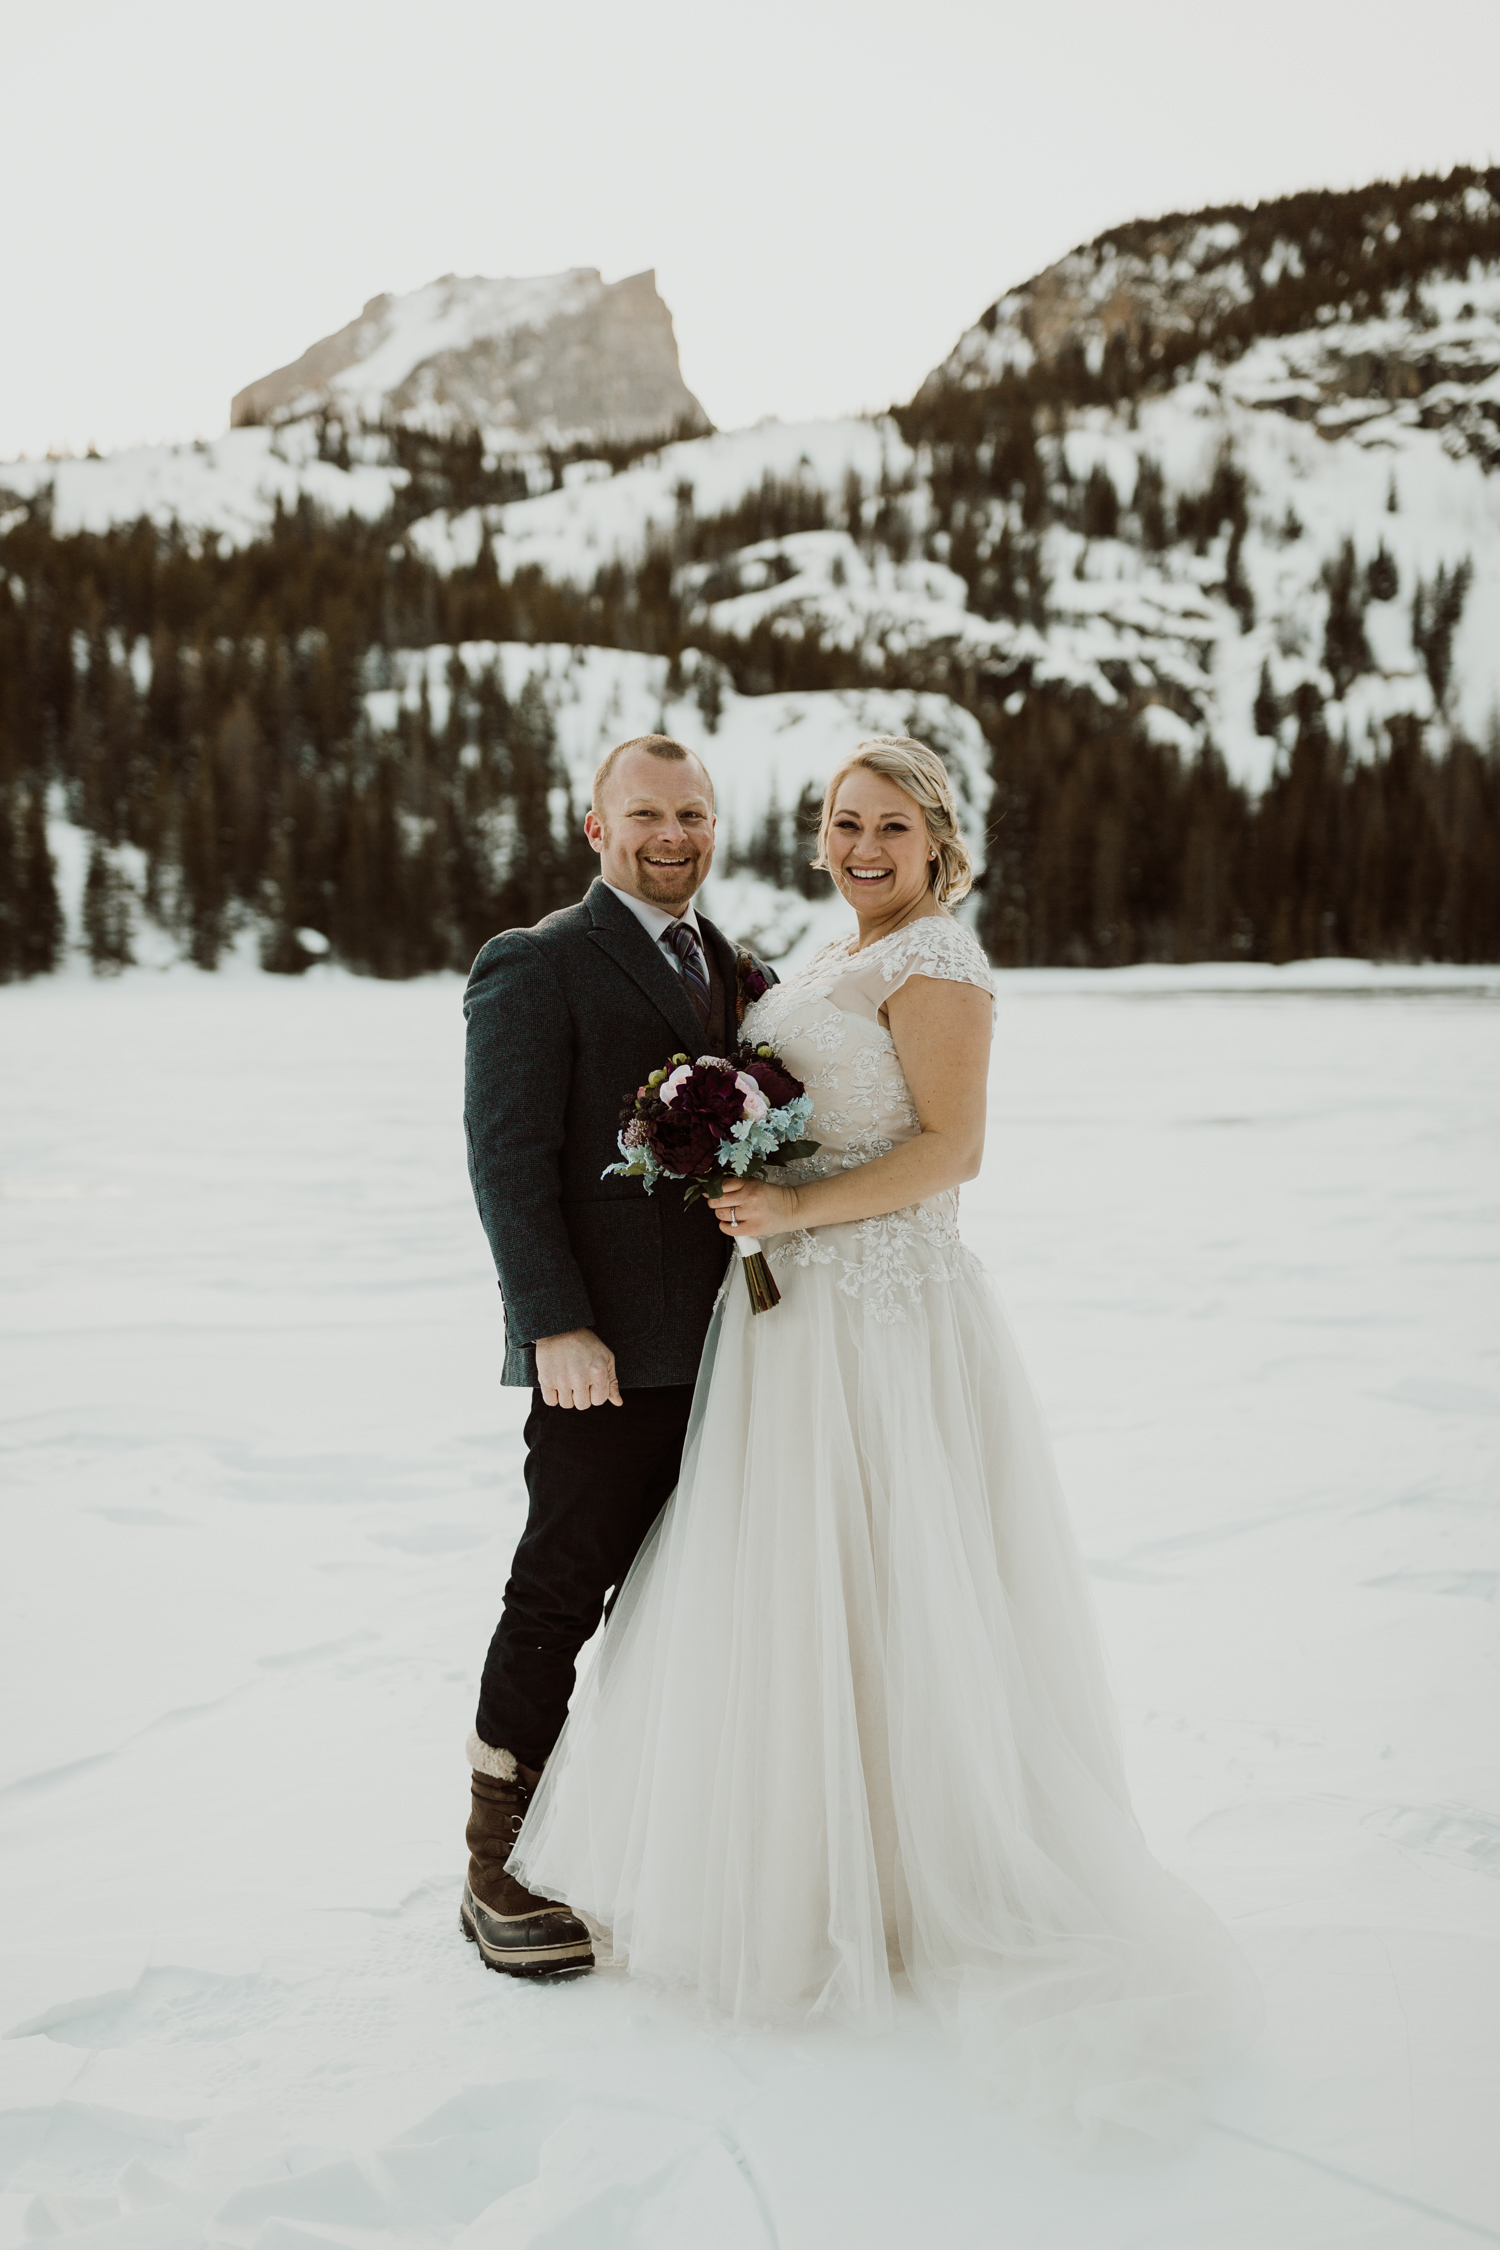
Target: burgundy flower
(686,1132)
(751,983)
(774,1080)
(685,1145)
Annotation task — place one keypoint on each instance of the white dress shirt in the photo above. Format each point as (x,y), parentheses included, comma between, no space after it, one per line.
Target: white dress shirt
(655,919)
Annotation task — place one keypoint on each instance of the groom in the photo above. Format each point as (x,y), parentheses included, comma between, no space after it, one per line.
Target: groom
(607,1294)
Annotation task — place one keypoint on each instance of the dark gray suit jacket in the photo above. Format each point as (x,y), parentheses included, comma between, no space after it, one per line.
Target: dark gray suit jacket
(564,1021)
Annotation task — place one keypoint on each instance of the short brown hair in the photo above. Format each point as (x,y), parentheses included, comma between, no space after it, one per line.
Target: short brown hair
(660,746)
(921,773)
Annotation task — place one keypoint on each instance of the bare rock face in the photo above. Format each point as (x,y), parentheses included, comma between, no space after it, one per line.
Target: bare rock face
(554,359)
(1181,278)
(1122,312)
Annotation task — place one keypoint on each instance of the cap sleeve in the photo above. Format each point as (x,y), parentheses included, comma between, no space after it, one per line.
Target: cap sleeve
(937,946)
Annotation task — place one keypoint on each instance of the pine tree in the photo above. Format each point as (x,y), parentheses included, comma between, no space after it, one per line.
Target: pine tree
(491,711)
(1210,870)
(39,930)
(1101,504)
(203,901)
(10,893)
(854,506)
(388,921)
(106,914)
(279,949)
(354,913)
(1436,610)
(157,822)
(429,904)
(1298,840)
(1346,651)
(766,854)
(1267,706)
(543,874)
(1382,579)
(1150,505)
(708,691)
(242,762)
(474,826)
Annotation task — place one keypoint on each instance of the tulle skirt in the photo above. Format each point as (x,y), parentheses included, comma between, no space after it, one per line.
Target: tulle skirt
(850,1717)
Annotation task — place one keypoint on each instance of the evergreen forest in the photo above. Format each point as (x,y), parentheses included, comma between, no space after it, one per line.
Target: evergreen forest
(199,708)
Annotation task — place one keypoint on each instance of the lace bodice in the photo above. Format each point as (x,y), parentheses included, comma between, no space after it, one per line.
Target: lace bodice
(826,1020)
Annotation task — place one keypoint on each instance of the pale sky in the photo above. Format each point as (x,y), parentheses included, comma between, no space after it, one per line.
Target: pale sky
(830,192)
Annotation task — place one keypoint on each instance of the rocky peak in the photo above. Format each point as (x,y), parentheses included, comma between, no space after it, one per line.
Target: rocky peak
(551,359)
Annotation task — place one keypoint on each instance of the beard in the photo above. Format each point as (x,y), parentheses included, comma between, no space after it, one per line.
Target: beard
(670,886)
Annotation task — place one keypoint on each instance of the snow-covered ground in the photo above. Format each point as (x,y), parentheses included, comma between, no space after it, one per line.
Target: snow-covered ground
(261,1485)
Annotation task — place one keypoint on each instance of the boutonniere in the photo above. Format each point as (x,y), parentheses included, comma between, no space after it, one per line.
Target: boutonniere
(750,982)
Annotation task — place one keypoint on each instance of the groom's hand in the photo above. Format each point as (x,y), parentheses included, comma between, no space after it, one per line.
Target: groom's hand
(576,1369)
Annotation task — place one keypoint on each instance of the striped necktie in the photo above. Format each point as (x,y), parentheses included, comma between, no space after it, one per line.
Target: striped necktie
(683,939)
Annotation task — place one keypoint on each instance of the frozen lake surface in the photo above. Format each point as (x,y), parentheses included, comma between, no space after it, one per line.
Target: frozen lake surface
(261,1485)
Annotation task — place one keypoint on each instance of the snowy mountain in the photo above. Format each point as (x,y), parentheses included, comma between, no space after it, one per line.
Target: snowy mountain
(1275,429)
(1133,483)
(1337,307)
(1197,535)
(548,359)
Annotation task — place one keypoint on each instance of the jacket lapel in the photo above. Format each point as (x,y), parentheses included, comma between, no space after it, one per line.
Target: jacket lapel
(617,932)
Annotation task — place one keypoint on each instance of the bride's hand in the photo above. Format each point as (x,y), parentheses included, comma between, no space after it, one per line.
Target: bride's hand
(754,1207)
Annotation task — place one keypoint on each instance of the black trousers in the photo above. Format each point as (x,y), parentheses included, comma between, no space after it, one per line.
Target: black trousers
(597,1482)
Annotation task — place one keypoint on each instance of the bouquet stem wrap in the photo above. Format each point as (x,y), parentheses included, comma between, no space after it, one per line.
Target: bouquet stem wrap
(759,1279)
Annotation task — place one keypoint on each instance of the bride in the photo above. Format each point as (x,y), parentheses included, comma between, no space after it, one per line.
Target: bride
(849,1717)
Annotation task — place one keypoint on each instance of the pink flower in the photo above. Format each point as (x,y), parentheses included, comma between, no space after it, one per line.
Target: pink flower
(670,1088)
(756,1105)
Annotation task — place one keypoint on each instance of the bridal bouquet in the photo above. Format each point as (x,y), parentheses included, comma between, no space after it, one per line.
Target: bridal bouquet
(714,1121)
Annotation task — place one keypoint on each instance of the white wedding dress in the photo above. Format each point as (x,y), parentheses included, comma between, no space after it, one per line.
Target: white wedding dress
(849,1716)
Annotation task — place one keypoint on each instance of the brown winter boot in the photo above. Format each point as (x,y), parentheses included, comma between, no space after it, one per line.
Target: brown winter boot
(516,1932)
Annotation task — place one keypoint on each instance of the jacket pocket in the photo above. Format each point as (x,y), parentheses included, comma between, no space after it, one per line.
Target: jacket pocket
(618,1248)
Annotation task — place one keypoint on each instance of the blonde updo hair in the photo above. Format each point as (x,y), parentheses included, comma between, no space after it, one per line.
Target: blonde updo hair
(924,777)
